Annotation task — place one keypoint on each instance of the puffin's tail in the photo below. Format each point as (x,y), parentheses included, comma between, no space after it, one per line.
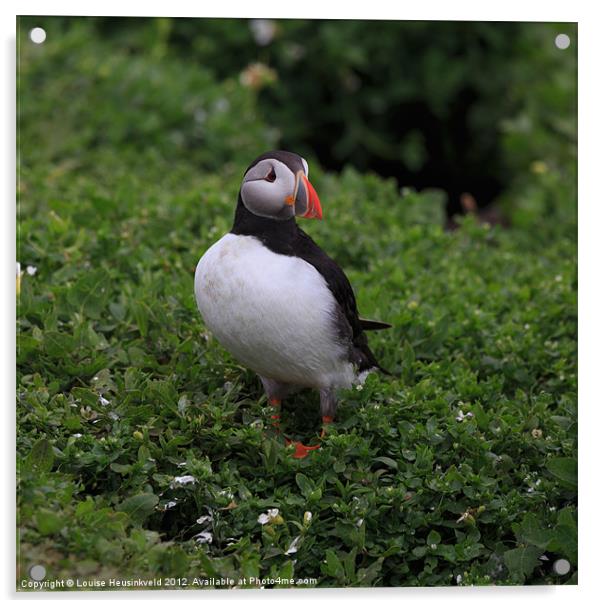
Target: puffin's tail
(370,325)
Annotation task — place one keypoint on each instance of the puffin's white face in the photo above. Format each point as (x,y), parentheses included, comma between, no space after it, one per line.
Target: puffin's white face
(271,189)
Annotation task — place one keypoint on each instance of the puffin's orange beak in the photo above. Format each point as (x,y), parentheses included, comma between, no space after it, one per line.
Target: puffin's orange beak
(306,201)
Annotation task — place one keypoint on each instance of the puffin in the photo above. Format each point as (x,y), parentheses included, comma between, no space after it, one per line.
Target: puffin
(276,301)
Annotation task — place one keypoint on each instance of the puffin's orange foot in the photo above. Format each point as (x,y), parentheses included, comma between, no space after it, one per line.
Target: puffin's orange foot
(301,450)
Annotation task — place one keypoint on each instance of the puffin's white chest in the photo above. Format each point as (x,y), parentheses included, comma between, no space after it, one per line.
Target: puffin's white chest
(273,312)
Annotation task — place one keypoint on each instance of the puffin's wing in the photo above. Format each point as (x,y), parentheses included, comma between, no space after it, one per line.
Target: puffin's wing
(342,291)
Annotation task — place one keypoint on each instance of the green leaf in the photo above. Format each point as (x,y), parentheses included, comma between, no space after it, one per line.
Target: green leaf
(419,551)
(270,454)
(48,522)
(522,561)
(333,566)
(41,457)
(388,461)
(564,469)
(141,315)
(448,552)
(366,576)
(120,468)
(339,466)
(286,572)
(90,294)
(304,483)
(59,345)
(566,517)
(208,567)
(139,507)
(349,564)
(84,507)
(434,538)
(565,535)
(530,532)
(315,495)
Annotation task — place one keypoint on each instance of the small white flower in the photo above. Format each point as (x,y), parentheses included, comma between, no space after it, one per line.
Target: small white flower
(31,270)
(200,116)
(459,579)
(103,401)
(203,519)
(263,30)
(270,516)
(361,378)
(359,522)
(203,538)
(221,105)
(169,505)
(460,416)
(183,481)
(294,546)
(77,435)
(307,517)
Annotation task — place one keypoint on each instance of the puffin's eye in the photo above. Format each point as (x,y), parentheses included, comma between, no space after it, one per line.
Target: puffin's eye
(271,176)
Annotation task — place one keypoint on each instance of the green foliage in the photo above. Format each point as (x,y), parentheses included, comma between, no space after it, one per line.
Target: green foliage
(141,444)
(79,98)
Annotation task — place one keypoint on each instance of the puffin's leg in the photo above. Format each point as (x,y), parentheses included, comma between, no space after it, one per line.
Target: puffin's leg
(276,391)
(328,407)
(275,415)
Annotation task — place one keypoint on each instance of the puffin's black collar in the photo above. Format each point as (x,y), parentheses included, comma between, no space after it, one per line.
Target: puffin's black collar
(277,235)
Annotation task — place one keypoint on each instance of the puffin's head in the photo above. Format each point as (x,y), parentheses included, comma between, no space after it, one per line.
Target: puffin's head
(276,186)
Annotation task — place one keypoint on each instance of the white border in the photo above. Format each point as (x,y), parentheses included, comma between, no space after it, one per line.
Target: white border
(470,10)
(590,309)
